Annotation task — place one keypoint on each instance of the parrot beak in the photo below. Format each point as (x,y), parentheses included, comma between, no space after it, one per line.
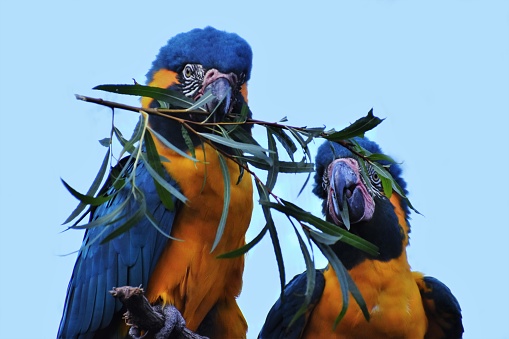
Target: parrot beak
(347,190)
(220,85)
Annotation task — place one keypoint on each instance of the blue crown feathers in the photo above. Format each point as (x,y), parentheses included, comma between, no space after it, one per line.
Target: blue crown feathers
(212,48)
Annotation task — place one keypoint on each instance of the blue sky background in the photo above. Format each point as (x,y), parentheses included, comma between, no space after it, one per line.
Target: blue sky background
(438,71)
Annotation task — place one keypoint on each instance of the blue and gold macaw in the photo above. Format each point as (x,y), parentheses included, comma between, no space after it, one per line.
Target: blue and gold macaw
(401,303)
(181,273)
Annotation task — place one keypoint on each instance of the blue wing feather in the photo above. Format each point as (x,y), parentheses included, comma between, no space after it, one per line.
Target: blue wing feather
(128,259)
(442,310)
(277,324)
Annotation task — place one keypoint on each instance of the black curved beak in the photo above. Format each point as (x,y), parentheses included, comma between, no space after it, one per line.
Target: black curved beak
(221,105)
(348,191)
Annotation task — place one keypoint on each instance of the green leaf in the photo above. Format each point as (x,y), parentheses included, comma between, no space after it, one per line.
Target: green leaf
(345,216)
(106,142)
(310,278)
(324,238)
(341,274)
(303,143)
(132,221)
(255,150)
(204,99)
(358,128)
(264,196)
(226,201)
(244,249)
(274,169)
(161,181)
(304,185)
(298,213)
(346,283)
(284,166)
(380,157)
(107,219)
(93,188)
(86,199)
(242,117)
(188,141)
(153,159)
(387,186)
(174,98)
(284,140)
(171,146)
(135,138)
(154,223)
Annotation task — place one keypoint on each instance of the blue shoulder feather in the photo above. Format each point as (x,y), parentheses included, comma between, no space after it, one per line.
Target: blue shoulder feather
(277,324)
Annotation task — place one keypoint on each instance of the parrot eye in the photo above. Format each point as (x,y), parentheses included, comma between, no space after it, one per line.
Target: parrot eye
(188,72)
(376,181)
(325,180)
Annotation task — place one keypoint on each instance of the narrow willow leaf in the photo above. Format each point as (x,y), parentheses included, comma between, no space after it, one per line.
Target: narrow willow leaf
(284,166)
(301,141)
(93,188)
(381,157)
(105,142)
(86,199)
(172,97)
(399,190)
(226,201)
(161,181)
(154,223)
(171,146)
(107,219)
(242,163)
(163,104)
(324,238)
(305,184)
(132,221)
(242,117)
(358,128)
(241,135)
(255,150)
(345,216)
(363,169)
(188,141)
(284,140)
(120,175)
(205,168)
(345,280)
(356,147)
(310,278)
(387,186)
(153,159)
(119,136)
(313,132)
(264,196)
(244,249)
(135,138)
(324,226)
(204,99)
(274,169)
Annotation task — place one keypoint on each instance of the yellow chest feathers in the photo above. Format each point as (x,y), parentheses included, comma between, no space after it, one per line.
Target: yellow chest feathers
(187,275)
(392,298)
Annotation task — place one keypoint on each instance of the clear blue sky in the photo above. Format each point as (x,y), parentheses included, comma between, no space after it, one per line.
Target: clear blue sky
(438,71)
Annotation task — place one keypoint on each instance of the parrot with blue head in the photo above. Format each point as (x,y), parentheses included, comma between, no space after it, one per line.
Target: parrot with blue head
(185,273)
(401,303)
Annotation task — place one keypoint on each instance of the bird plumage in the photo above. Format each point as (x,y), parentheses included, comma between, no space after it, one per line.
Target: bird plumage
(180,272)
(401,303)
